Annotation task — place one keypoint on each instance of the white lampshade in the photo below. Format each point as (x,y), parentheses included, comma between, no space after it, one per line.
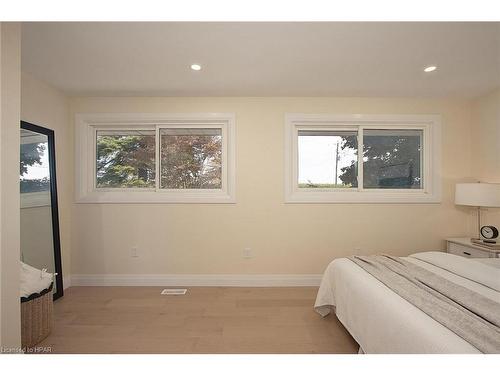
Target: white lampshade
(477,194)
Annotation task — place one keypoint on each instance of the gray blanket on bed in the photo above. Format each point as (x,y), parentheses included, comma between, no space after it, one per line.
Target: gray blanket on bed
(469,315)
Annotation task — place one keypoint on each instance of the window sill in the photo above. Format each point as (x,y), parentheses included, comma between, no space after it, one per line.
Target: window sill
(156,197)
(361,197)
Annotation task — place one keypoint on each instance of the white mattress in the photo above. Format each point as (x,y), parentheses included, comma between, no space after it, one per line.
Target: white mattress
(383,322)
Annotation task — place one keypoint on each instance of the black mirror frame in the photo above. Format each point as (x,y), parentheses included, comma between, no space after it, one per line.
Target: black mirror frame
(54,203)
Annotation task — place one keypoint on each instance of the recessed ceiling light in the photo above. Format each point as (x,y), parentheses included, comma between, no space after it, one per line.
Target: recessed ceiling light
(196,67)
(430,69)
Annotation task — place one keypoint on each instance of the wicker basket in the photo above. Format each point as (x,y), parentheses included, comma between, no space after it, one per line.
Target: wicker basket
(36,317)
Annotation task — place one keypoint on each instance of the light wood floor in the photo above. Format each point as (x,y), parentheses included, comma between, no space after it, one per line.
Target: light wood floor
(205,320)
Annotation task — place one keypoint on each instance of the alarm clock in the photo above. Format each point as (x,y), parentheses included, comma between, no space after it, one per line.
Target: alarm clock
(489,233)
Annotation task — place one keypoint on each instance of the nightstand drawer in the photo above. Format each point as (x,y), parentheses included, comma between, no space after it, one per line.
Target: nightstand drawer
(468,252)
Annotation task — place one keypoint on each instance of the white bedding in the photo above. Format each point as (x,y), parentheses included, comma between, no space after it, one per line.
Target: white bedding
(493,262)
(383,322)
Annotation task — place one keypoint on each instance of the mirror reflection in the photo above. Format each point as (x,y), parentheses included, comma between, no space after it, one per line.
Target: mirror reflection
(37,235)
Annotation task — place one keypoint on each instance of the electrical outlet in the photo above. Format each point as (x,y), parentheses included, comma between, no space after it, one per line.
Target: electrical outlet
(134,253)
(247,253)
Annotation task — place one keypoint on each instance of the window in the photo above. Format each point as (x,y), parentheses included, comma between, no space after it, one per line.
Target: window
(191,158)
(125,159)
(325,156)
(391,159)
(155,158)
(360,158)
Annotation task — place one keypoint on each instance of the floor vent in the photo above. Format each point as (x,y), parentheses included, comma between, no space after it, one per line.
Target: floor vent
(173,292)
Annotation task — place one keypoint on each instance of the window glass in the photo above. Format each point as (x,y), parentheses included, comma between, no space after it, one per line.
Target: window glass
(191,158)
(125,159)
(327,159)
(392,159)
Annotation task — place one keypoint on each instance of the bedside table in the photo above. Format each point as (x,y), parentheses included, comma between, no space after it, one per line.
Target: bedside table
(464,247)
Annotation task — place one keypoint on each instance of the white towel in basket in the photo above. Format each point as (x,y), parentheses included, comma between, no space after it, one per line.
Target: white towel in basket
(34,280)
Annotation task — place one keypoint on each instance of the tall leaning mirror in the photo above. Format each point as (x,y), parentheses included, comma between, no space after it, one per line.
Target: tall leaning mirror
(40,243)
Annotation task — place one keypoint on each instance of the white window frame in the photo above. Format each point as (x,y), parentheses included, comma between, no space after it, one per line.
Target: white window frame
(87,125)
(431,155)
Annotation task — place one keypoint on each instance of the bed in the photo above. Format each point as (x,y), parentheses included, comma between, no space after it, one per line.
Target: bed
(383,322)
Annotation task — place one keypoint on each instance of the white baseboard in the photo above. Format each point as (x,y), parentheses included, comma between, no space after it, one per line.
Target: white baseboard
(274,280)
(66,281)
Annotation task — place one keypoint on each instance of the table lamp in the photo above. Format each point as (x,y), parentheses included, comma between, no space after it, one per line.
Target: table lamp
(477,194)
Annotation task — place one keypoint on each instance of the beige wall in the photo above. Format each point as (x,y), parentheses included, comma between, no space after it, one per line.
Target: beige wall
(286,238)
(45,106)
(485,130)
(10,70)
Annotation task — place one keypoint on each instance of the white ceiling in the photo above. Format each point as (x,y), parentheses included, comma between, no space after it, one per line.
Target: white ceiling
(265,59)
